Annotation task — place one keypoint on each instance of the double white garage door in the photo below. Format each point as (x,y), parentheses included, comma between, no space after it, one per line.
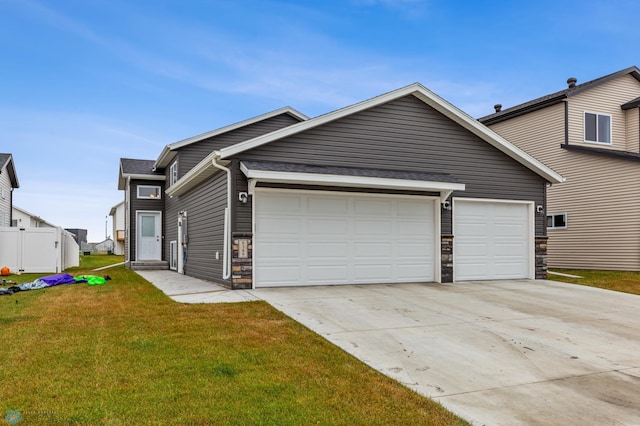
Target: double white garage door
(315,238)
(334,238)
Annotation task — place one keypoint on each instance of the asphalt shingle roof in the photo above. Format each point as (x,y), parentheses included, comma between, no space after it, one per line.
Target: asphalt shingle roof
(138,167)
(555,97)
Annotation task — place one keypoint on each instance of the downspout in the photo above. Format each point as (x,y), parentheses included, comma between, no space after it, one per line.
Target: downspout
(226,267)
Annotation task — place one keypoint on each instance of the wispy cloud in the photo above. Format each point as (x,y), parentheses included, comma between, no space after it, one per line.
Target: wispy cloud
(410,8)
(296,68)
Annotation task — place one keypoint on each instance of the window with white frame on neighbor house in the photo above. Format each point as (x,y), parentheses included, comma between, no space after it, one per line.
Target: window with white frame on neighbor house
(173,173)
(597,127)
(557,221)
(148,192)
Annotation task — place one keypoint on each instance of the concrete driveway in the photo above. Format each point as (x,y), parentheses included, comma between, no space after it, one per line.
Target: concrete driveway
(495,353)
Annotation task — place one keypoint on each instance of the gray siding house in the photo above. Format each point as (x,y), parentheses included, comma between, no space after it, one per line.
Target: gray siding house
(8,182)
(403,187)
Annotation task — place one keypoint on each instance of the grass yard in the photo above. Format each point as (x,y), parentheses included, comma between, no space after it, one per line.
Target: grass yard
(123,353)
(627,282)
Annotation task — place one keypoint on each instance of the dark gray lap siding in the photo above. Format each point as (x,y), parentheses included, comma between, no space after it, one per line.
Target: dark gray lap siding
(191,155)
(407,134)
(205,214)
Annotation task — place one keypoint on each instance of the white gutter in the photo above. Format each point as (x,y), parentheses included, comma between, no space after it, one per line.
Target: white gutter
(226,262)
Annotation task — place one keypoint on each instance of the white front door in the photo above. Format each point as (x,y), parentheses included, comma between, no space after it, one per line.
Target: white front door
(149,245)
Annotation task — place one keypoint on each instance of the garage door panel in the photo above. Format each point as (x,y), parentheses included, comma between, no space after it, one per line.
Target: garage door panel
(282,274)
(411,250)
(413,271)
(373,207)
(327,206)
(345,238)
(372,228)
(373,272)
(280,203)
(415,229)
(327,250)
(327,226)
(279,225)
(491,240)
(369,250)
(411,210)
(319,274)
(469,249)
(465,230)
(278,250)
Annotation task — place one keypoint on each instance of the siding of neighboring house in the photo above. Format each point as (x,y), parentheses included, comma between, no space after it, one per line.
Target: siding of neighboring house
(205,206)
(137,204)
(602,203)
(633,129)
(599,195)
(605,98)
(26,220)
(118,224)
(539,133)
(5,198)
(406,134)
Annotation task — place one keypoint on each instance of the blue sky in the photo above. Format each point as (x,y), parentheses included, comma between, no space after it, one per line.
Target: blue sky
(83,83)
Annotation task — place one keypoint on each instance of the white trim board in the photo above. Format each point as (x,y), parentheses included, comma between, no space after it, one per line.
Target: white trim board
(254,176)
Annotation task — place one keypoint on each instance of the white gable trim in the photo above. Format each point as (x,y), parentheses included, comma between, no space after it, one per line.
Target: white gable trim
(165,155)
(425,95)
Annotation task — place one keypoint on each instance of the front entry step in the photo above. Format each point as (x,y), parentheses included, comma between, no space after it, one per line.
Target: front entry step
(149,265)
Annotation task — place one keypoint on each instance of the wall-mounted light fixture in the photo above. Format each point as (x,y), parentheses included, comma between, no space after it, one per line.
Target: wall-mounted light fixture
(243,197)
(446,205)
(539,209)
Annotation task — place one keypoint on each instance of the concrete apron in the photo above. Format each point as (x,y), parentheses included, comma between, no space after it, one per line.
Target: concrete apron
(495,353)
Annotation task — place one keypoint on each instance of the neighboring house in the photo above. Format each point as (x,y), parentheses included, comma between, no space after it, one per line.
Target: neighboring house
(80,235)
(103,247)
(8,182)
(590,134)
(117,220)
(403,187)
(23,219)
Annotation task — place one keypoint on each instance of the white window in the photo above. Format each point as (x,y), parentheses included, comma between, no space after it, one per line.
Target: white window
(557,221)
(148,192)
(173,173)
(597,127)
(173,255)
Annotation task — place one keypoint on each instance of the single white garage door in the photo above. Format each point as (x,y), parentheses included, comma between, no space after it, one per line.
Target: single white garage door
(316,238)
(492,240)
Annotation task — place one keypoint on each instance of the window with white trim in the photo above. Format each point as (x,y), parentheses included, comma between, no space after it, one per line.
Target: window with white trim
(148,192)
(557,221)
(173,173)
(173,255)
(597,127)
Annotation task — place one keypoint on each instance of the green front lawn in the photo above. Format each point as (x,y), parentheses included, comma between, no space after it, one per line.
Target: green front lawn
(124,353)
(627,282)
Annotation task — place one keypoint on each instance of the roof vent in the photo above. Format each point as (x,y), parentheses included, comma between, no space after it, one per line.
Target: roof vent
(571,82)
(497,107)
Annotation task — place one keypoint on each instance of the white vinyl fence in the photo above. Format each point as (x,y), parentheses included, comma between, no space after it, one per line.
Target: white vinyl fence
(36,250)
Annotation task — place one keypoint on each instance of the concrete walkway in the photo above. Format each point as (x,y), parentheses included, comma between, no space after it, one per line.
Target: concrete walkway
(495,353)
(185,289)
